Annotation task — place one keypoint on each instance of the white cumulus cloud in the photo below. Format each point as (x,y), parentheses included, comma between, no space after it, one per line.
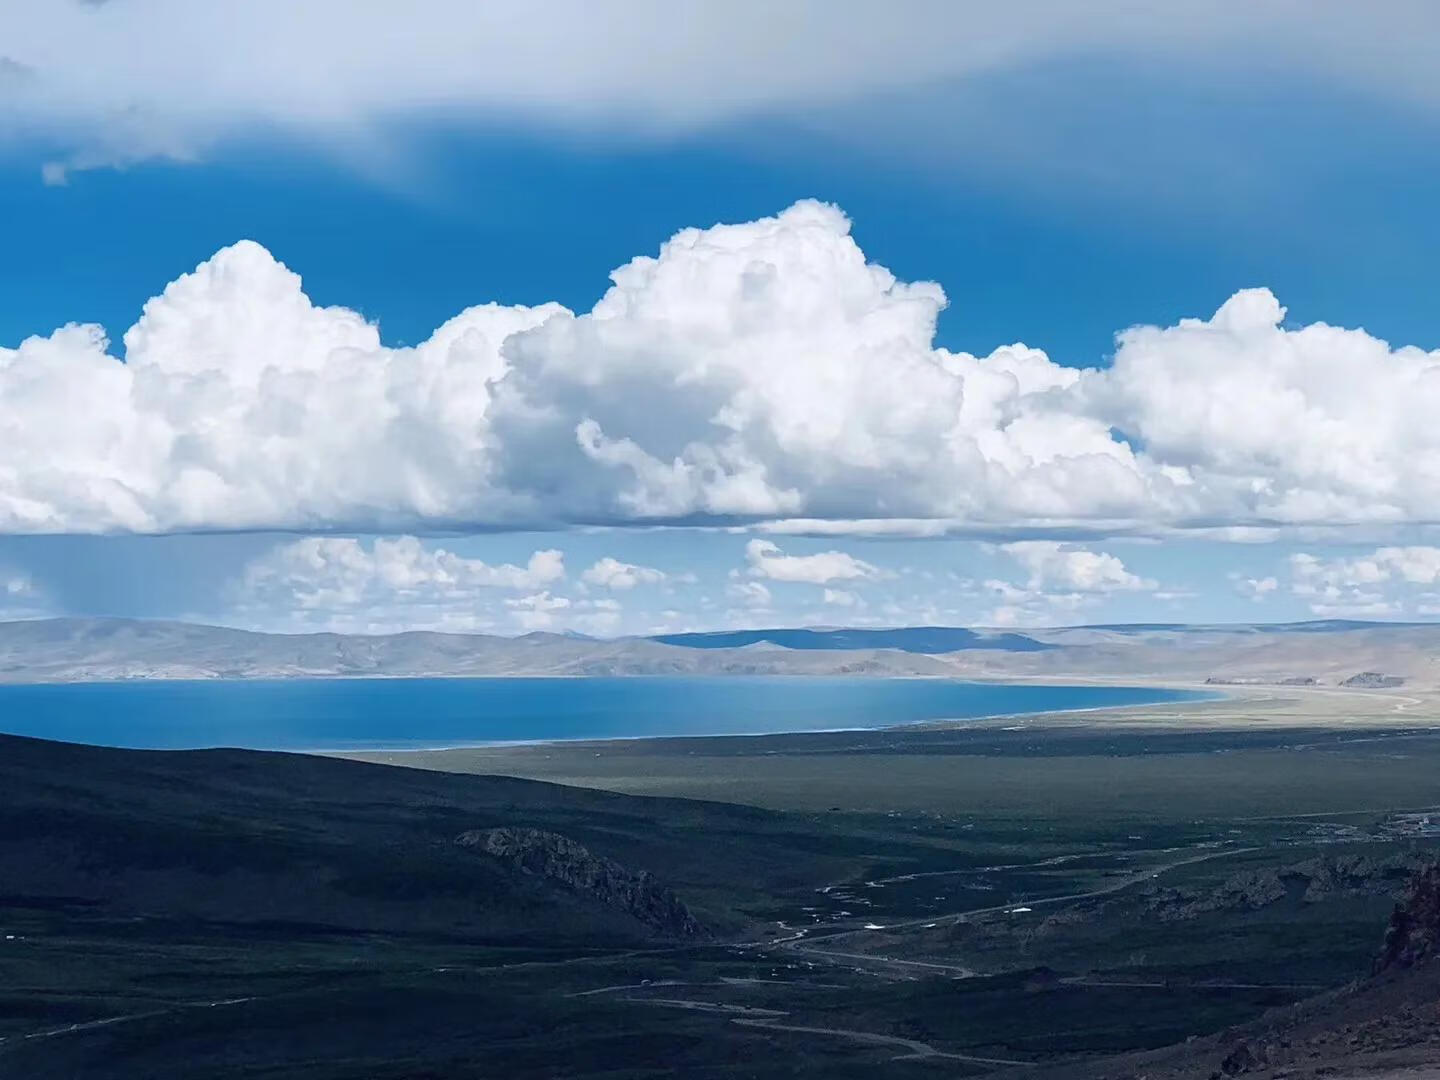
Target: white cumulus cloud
(1062,579)
(750,594)
(1415,565)
(611,573)
(1381,582)
(537,611)
(1068,567)
(1020,606)
(393,583)
(240,404)
(768,561)
(752,373)
(1252,588)
(1261,423)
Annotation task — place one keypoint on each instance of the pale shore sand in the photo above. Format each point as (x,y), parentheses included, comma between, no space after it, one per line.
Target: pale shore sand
(1248,706)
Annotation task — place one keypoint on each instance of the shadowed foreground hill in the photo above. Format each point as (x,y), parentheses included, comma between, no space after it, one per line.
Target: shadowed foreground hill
(247,837)
(238,914)
(235,914)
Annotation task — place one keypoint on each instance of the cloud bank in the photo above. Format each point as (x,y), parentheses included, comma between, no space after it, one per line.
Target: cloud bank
(113,83)
(755,373)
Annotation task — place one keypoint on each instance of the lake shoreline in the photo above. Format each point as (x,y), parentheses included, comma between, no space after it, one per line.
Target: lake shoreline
(913,725)
(417,715)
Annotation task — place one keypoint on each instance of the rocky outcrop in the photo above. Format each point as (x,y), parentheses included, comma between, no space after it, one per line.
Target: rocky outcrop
(1413,935)
(1354,875)
(1246,891)
(561,860)
(1373,680)
(1311,881)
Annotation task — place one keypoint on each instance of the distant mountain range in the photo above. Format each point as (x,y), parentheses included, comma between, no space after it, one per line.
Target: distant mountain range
(1320,653)
(927,640)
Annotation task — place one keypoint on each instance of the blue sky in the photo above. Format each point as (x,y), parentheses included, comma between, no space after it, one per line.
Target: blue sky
(1060,179)
(1053,256)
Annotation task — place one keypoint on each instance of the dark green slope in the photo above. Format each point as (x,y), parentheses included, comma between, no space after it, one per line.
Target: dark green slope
(241,914)
(248,837)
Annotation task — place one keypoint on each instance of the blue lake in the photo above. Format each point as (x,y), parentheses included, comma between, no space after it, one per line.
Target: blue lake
(300,714)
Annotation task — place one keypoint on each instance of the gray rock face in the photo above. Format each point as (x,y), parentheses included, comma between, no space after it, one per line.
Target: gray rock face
(1373,680)
(560,859)
(1311,881)
(1413,935)
(1354,875)
(1247,891)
